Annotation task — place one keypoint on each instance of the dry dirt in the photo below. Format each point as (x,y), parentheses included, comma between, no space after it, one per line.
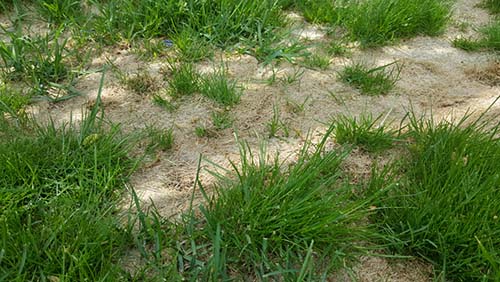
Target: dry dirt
(435,78)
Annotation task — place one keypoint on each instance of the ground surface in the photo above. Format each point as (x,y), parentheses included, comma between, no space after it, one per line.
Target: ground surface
(435,77)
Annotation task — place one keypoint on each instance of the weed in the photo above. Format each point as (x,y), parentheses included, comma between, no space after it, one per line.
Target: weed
(12,99)
(371,81)
(377,22)
(216,86)
(159,139)
(276,124)
(442,208)
(296,107)
(366,132)
(316,61)
(184,80)
(141,83)
(222,120)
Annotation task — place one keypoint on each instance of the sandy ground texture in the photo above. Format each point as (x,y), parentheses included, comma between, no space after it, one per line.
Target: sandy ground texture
(435,78)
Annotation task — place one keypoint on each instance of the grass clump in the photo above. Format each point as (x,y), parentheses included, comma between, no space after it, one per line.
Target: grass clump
(492,5)
(371,80)
(58,201)
(221,22)
(490,39)
(269,219)
(367,132)
(219,88)
(316,61)
(159,139)
(442,208)
(376,22)
(184,80)
(222,120)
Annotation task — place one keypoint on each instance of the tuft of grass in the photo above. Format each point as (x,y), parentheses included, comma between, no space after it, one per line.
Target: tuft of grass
(201,131)
(184,80)
(191,47)
(159,139)
(222,120)
(316,61)
(276,124)
(60,11)
(490,39)
(219,88)
(336,48)
(221,22)
(269,219)
(492,5)
(367,132)
(371,80)
(441,206)
(59,194)
(377,22)
(12,99)
(318,11)
(164,103)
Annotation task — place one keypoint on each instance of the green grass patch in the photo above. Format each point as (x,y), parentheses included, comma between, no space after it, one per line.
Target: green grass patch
(219,88)
(371,80)
(378,22)
(490,39)
(58,201)
(442,206)
(267,220)
(183,80)
(367,132)
(492,5)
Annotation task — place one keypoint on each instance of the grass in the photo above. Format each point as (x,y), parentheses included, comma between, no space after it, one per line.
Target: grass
(222,120)
(367,132)
(441,206)
(276,124)
(159,139)
(492,5)
(371,80)
(267,220)
(58,206)
(184,80)
(217,87)
(316,61)
(378,22)
(490,39)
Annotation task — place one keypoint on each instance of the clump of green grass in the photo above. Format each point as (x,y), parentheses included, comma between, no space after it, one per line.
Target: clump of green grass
(490,39)
(219,88)
(371,80)
(442,208)
(40,61)
(316,11)
(367,132)
(191,47)
(492,5)
(12,99)
(221,22)
(60,11)
(378,22)
(159,139)
(336,48)
(316,61)
(222,120)
(184,80)
(164,102)
(58,201)
(276,124)
(269,219)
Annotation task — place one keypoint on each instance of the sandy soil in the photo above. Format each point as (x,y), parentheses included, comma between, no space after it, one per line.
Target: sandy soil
(435,77)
